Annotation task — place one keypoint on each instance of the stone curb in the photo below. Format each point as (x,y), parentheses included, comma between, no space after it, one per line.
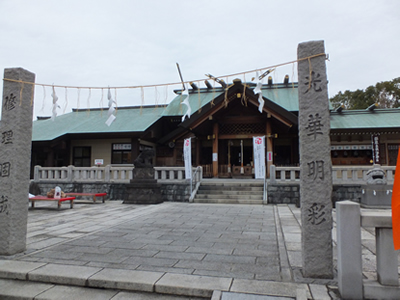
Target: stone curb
(143,281)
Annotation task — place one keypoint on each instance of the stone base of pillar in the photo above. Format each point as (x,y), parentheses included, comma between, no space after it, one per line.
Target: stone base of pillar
(143,188)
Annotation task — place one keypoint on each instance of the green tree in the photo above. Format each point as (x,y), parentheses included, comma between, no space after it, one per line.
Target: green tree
(385,94)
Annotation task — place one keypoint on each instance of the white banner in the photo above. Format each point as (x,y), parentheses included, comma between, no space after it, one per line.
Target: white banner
(259,156)
(187,154)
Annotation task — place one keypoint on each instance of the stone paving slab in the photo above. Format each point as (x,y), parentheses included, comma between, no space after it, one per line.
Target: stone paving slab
(149,247)
(66,275)
(11,269)
(14,289)
(272,288)
(191,285)
(125,280)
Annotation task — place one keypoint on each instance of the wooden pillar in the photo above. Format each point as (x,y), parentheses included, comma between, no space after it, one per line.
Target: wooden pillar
(269,145)
(134,149)
(215,150)
(198,149)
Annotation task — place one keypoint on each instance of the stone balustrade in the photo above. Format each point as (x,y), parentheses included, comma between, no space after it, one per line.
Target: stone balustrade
(350,219)
(109,173)
(123,174)
(340,174)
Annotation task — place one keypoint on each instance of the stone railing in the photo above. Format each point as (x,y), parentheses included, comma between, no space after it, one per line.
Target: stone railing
(350,278)
(109,173)
(340,174)
(84,174)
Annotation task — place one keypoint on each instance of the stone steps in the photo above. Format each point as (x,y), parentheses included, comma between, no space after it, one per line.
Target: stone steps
(230,192)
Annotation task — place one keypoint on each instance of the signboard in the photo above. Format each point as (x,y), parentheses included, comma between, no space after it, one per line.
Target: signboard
(122,146)
(259,156)
(375,149)
(98,162)
(215,156)
(187,154)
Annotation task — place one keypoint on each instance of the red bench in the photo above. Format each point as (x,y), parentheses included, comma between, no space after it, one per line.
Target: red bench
(94,195)
(59,201)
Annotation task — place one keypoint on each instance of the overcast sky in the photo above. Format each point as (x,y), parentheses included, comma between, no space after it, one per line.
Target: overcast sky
(131,43)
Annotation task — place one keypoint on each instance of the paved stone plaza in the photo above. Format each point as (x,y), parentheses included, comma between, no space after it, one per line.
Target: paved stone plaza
(172,248)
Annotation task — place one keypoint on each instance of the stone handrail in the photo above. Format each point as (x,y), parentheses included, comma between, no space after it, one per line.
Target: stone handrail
(108,173)
(350,218)
(340,174)
(197,175)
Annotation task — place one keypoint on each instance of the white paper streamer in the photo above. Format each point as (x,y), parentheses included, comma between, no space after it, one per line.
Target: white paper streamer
(55,105)
(111,109)
(257,90)
(186,102)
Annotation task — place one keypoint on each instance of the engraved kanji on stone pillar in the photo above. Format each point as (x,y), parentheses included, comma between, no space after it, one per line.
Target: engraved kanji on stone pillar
(315,161)
(15,158)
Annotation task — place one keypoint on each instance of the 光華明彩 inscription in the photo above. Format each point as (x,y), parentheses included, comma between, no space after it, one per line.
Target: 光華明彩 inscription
(314,126)
(316,169)
(315,161)
(316,214)
(313,82)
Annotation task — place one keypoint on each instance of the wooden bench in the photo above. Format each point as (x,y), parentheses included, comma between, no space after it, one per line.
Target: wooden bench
(94,195)
(59,201)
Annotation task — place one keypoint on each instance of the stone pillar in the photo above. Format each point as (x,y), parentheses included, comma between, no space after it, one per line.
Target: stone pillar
(386,257)
(349,263)
(15,156)
(315,162)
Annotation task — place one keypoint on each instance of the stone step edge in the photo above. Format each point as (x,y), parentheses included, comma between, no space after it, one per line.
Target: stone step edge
(142,281)
(227,197)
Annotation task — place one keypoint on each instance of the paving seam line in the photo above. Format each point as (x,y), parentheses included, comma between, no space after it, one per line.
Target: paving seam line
(283,257)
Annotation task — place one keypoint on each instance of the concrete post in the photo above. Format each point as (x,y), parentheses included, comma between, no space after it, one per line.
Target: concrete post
(386,257)
(272,173)
(15,156)
(315,161)
(349,263)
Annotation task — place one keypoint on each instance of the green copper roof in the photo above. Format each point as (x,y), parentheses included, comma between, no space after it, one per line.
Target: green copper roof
(197,99)
(285,96)
(128,119)
(359,119)
(136,119)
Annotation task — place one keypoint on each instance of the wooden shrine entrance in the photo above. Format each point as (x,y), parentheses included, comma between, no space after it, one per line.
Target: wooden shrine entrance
(222,133)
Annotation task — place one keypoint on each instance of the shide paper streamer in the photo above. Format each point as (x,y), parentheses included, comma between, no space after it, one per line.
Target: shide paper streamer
(111,109)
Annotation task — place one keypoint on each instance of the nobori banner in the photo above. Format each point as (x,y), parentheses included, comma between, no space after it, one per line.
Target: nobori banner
(187,154)
(259,156)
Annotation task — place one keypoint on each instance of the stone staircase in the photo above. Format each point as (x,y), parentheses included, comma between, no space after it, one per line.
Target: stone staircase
(232,191)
